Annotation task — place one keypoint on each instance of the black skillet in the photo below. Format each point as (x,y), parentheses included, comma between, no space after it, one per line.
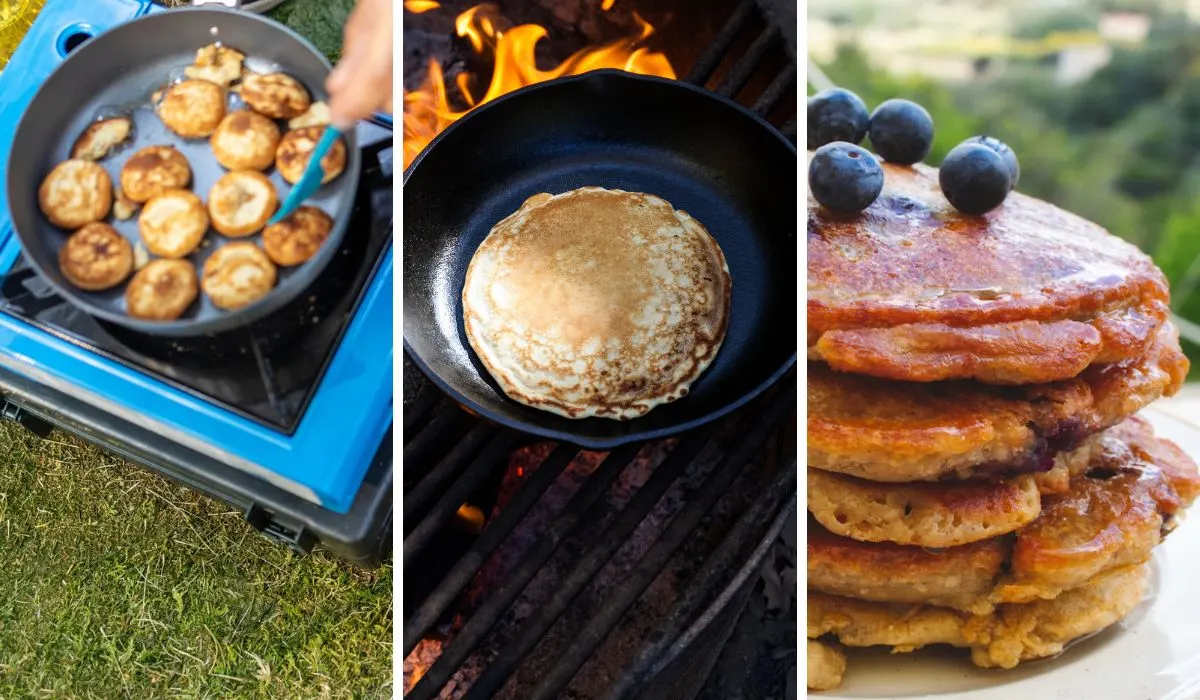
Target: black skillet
(116,73)
(702,153)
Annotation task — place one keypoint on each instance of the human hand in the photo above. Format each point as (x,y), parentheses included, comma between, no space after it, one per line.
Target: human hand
(361,83)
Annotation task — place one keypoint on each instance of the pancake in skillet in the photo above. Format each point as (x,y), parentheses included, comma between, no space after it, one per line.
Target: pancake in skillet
(597,302)
(906,431)
(910,289)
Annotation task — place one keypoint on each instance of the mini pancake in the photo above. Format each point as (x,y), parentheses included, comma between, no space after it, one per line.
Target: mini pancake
(162,290)
(826,666)
(101,137)
(242,202)
(218,64)
(1112,517)
(905,431)
(317,115)
(912,290)
(237,274)
(295,148)
(275,95)
(173,224)
(597,302)
(75,193)
(245,140)
(298,237)
(96,258)
(1011,634)
(193,108)
(152,171)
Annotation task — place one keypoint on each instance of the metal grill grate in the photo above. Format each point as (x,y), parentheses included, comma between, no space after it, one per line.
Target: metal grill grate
(449,458)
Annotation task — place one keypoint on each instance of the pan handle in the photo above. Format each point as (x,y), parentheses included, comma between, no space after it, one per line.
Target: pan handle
(232,4)
(255,6)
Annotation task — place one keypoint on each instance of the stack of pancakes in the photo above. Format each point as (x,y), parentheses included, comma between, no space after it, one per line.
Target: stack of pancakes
(977,476)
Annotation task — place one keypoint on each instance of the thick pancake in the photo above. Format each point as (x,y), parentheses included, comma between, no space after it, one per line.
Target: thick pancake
(597,302)
(1011,634)
(1112,517)
(924,514)
(910,289)
(904,431)
(939,513)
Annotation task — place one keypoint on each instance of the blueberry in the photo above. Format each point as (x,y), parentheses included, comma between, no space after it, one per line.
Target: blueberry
(974,178)
(836,115)
(1010,158)
(901,132)
(844,177)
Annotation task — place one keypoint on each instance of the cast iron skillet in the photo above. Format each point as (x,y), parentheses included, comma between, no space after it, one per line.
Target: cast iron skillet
(702,153)
(115,73)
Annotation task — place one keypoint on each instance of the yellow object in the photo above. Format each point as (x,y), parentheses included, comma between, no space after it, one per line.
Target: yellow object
(16,17)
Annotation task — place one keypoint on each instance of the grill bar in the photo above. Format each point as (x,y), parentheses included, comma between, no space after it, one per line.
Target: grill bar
(752,567)
(616,535)
(495,452)
(447,469)
(740,74)
(418,411)
(492,537)
(419,449)
(775,91)
(711,58)
(469,636)
(711,576)
(652,564)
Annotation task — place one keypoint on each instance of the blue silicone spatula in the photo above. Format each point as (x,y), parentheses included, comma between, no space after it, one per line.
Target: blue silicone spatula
(311,181)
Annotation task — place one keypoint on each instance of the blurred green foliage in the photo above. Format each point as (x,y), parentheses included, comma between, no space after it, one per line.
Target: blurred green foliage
(1121,148)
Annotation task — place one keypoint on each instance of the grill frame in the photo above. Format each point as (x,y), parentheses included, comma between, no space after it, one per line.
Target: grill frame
(449,455)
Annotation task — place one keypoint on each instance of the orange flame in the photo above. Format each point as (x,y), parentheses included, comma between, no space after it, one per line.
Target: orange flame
(427,110)
(418,6)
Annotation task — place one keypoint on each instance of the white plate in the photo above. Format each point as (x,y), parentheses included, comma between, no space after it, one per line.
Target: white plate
(1153,654)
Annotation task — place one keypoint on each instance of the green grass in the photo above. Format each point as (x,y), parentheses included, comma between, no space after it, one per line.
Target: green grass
(115,582)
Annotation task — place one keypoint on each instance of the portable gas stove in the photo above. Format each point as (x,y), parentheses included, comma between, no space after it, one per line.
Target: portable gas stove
(289,420)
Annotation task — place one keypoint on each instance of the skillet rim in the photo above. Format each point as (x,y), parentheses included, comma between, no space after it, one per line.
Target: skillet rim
(587,442)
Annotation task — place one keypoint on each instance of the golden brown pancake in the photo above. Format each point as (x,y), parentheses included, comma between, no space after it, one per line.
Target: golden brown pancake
(75,193)
(297,238)
(275,95)
(905,431)
(295,148)
(924,514)
(193,108)
(96,257)
(597,302)
(162,290)
(152,171)
(245,140)
(1112,517)
(173,223)
(242,202)
(912,290)
(237,274)
(1002,639)
(101,137)
(218,64)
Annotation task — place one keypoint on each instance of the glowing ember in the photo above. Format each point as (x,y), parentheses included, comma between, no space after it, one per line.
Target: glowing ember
(607,5)
(427,110)
(418,6)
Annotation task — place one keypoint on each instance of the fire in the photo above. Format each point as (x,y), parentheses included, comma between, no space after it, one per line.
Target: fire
(418,6)
(427,110)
